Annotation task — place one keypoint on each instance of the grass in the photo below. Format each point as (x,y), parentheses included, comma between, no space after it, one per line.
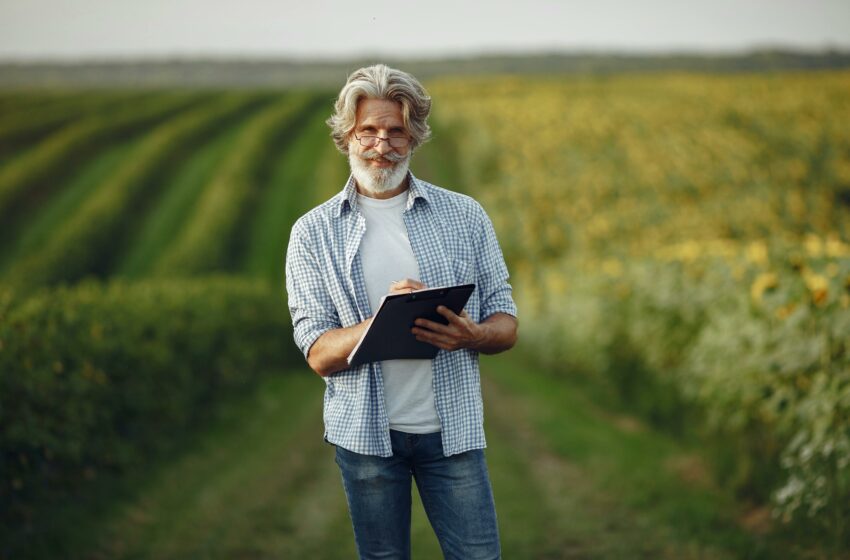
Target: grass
(231,490)
(88,243)
(163,224)
(436,161)
(65,202)
(258,481)
(215,234)
(308,159)
(227,491)
(572,479)
(29,119)
(660,481)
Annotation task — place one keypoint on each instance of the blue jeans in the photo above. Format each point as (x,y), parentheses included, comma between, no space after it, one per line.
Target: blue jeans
(455,491)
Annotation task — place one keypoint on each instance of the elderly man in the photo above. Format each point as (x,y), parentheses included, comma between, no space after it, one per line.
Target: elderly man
(390,232)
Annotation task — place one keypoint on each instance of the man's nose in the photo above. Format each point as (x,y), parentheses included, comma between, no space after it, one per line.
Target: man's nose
(383,146)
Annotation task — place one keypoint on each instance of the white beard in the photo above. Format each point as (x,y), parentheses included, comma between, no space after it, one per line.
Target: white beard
(378,179)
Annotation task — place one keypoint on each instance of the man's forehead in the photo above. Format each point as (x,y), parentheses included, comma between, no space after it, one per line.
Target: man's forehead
(384,110)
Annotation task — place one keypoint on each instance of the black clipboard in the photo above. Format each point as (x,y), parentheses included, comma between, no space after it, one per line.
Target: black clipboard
(388,336)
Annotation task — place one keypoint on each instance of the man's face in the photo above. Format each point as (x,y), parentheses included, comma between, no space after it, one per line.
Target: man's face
(382,167)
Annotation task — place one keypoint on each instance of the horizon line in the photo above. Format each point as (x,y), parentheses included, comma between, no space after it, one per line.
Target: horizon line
(303,58)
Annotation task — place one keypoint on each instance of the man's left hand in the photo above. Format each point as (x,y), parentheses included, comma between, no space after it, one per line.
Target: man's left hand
(461,332)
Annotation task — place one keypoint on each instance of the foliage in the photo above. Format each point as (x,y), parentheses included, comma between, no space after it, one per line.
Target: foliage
(95,376)
(26,116)
(29,175)
(84,243)
(204,242)
(686,239)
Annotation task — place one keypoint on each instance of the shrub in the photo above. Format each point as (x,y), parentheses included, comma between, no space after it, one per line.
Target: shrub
(95,376)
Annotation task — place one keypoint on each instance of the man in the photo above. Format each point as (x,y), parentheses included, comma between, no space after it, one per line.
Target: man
(389,232)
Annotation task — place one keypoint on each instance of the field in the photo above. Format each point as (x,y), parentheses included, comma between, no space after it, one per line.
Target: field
(679,246)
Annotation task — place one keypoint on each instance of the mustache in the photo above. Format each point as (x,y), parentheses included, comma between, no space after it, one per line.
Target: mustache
(372,154)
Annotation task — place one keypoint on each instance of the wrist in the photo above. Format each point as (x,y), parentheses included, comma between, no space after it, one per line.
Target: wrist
(481,337)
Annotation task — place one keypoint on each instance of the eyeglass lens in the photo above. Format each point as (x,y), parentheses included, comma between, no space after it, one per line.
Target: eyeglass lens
(394,141)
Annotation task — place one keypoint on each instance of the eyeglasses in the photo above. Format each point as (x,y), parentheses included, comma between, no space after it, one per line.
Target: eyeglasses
(393,141)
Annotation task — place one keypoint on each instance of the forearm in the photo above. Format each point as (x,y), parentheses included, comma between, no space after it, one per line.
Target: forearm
(329,354)
(498,333)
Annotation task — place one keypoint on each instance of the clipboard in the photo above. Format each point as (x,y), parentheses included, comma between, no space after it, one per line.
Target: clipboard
(388,336)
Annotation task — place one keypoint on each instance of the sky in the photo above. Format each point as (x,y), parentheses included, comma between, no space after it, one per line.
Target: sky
(110,29)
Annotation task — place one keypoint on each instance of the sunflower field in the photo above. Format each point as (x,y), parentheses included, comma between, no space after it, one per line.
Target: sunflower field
(686,240)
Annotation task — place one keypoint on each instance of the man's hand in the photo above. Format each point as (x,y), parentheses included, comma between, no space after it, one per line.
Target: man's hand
(461,332)
(495,334)
(405,286)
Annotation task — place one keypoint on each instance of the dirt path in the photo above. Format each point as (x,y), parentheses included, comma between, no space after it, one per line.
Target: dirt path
(263,484)
(571,516)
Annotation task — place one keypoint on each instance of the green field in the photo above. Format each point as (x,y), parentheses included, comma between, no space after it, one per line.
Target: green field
(679,253)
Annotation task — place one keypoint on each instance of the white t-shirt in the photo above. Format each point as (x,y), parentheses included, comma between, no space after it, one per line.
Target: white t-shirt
(387,257)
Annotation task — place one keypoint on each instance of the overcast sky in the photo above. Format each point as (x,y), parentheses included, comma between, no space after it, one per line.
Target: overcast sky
(328,29)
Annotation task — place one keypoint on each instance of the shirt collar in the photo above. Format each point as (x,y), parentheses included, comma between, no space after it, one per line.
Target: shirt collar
(416,189)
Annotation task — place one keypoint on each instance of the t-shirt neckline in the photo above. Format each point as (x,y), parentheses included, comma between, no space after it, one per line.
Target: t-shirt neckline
(397,200)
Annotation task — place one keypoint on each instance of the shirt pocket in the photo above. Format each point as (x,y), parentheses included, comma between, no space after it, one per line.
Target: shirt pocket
(463,271)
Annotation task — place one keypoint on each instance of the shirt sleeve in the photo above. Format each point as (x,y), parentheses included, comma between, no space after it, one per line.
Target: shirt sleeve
(310,305)
(496,292)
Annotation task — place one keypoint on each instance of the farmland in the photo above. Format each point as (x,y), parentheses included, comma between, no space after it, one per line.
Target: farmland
(679,248)
(690,238)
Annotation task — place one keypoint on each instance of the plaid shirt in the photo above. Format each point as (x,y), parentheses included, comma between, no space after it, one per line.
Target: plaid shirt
(454,242)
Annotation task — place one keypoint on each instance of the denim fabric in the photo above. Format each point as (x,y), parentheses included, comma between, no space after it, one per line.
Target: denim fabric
(455,491)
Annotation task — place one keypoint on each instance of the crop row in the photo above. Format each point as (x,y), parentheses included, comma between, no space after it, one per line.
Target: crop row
(307,172)
(207,240)
(85,243)
(26,120)
(38,172)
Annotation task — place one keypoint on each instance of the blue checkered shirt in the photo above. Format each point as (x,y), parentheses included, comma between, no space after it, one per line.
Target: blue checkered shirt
(454,242)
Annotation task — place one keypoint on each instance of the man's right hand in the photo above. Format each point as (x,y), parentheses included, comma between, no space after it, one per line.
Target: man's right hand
(406,286)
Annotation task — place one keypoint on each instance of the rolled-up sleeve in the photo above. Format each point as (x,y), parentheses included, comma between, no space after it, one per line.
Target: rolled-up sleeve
(496,292)
(310,305)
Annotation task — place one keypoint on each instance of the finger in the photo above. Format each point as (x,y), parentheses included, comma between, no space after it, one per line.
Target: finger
(450,315)
(438,340)
(448,337)
(432,326)
(404,286)
(408,283)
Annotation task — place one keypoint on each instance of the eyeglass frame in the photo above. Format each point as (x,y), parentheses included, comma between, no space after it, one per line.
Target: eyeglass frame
(378,140)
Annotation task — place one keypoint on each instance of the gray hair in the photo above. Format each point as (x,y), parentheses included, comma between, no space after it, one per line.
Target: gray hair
(381,82)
